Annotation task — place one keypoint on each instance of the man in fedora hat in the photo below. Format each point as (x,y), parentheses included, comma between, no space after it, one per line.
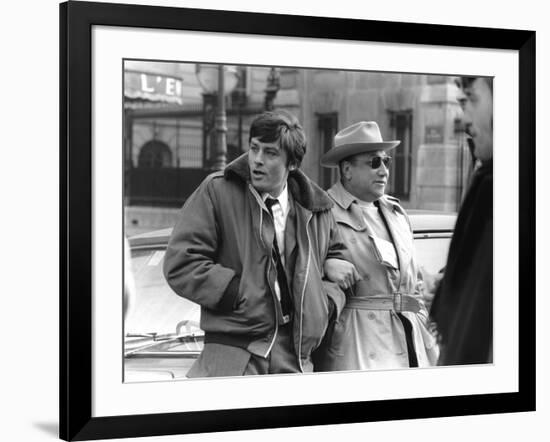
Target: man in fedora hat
(383,324)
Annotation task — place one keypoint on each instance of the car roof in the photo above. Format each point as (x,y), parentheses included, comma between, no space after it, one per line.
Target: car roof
(152,238)
(421,221)
(432,221)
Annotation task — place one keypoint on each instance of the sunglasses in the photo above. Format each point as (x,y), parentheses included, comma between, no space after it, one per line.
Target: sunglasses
(376,162)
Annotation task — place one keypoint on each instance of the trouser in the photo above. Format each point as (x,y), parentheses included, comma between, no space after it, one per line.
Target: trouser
(225,360)
(281,359)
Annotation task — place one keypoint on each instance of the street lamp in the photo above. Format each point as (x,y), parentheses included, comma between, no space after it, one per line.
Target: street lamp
(218,80)
(273,86)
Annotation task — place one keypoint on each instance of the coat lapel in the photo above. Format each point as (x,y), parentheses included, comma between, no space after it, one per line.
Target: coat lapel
(290,237)
(401,243)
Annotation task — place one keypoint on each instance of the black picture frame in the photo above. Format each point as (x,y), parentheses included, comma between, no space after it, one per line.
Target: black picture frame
(76,21)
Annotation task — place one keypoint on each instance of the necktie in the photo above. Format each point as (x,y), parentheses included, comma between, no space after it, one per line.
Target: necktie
(286,301)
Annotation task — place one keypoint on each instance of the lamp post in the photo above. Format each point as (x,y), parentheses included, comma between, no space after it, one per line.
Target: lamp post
(273,86)
(219,80)
(220,124)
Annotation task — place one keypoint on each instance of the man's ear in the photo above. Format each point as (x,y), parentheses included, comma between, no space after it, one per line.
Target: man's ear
(344,169)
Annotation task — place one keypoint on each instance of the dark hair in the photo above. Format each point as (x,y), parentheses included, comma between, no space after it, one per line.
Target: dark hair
(282,126)
(466,82)
(351,159)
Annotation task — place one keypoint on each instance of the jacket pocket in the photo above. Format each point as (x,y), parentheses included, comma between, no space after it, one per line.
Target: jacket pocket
(230,298)
(338,334)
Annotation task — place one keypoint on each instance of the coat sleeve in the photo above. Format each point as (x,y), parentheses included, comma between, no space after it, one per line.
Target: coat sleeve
(190,266)
(419,293)
(336,249)
(419,286)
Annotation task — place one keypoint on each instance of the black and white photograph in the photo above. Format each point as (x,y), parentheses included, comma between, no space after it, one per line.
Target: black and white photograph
(278,221)
(285,220)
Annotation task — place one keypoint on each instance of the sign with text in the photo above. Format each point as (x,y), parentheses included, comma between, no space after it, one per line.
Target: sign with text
(153,87)
(434,134)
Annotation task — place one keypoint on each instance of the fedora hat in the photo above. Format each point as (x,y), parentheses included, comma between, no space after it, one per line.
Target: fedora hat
(358,138)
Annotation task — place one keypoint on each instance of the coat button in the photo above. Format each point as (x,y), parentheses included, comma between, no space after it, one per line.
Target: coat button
(366,276)
(372,355)
(371,316)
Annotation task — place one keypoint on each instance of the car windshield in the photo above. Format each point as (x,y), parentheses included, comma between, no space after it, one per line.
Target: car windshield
(156,309)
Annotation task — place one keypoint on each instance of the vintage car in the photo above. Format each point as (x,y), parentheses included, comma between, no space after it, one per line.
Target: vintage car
(162,331)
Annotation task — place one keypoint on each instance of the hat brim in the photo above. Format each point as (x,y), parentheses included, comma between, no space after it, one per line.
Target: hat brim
(337,154)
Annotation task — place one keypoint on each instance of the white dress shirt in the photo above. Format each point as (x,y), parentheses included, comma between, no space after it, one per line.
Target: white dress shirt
(280,214)
(280,211)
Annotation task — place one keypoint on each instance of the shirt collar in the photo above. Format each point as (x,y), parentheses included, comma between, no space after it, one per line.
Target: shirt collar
(341,196)
(282,198)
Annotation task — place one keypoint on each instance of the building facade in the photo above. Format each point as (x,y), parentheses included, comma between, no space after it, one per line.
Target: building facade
(170,129)
(432,162)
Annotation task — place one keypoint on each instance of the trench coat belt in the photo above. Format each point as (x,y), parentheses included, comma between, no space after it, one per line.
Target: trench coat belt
(398,302)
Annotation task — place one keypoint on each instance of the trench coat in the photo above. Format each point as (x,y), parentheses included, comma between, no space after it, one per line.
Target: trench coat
(375,339)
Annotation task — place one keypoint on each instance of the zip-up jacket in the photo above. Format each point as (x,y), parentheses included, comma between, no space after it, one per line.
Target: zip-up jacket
(219,256)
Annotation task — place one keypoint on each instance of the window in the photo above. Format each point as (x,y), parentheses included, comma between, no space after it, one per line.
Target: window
(400,178)
(155,154)
(328,126)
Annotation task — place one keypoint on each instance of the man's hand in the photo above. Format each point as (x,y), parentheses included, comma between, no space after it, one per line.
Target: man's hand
(342,272)
(428,283)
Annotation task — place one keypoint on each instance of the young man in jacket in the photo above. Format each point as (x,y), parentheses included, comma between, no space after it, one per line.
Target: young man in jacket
(250,247)
(383,324)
